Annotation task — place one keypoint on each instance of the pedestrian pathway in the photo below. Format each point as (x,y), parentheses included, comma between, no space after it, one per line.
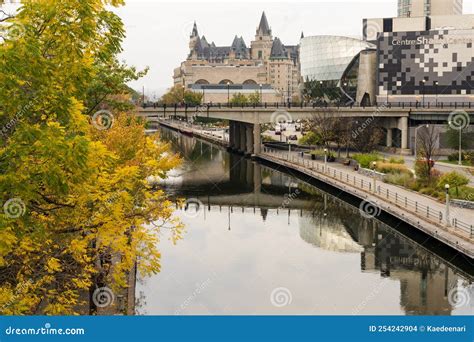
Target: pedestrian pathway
(421,211)
(440,166)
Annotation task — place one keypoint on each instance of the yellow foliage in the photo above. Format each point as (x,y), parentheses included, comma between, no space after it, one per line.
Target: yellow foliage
(88,210)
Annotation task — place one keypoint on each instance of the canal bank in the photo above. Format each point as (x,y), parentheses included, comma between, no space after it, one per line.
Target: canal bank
(373,203)
(208,136)
(261,228)
(420,212)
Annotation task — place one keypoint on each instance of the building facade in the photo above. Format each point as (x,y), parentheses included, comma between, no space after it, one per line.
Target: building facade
(423,59)
(267,66)
(426,66)
(423,8)
(342,62)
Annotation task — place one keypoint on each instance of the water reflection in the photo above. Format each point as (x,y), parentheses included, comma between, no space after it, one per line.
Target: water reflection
(261,229)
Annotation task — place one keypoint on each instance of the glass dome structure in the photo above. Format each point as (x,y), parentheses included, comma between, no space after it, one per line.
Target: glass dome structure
(326,58)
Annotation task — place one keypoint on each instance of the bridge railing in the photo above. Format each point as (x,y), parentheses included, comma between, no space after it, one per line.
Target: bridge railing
(302,105)
(367,185)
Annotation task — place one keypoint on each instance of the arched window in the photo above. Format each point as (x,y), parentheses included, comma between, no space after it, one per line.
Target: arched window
(201,81)
(250,82)
(226,81)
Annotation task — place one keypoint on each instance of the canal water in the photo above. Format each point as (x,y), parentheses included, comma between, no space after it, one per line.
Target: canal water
(259,241)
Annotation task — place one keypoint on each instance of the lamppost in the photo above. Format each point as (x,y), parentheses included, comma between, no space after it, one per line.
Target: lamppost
(460,143)
(416,136)
(261,94)
(325,158)
(203,95)
(446,187)
(423,86)
(322,90)
(374,166)
(289,150)
(436,90)
(228,94)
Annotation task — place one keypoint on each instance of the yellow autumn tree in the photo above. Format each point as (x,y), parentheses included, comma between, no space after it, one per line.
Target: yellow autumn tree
(78,212)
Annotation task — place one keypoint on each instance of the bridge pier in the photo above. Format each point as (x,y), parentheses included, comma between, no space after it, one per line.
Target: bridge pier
(257,139)
(403,127)
(389,137)
(249,139)
(231,135)
(242,132)
(236,138)
(244,137)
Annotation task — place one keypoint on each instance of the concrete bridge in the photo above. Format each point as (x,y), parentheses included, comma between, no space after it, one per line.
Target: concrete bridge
(245,122)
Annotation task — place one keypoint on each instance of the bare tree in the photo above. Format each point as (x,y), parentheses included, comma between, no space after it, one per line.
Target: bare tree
(427,142)
(365,133)
(324,125)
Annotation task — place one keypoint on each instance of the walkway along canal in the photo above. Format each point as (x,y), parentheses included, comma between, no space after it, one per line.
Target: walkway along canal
(421,212)
(265,239)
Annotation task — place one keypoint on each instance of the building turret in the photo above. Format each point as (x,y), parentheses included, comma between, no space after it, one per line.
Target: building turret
(262,44)
(194,37)
(263,28)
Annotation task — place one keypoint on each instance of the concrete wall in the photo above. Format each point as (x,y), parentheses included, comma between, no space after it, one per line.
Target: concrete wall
(409,24)
(367,75)
(456,21)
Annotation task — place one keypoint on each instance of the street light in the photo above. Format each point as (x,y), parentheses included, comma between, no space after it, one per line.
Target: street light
(261,94)
(447,205)
(325,158)
(423,86)
(321,91)
(374,166)
(416,136)
(436,90)
(228,94)
(460,143)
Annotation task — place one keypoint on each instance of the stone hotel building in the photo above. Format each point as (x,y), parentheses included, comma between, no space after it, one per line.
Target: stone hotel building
(268,67)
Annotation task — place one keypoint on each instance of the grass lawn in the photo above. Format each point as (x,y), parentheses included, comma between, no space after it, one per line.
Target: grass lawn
(455,162)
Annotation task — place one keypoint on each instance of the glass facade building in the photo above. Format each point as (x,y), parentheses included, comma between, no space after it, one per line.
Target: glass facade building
(332,59)
(326,58)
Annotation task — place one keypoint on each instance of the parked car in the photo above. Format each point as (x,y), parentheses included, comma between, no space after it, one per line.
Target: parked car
(293,137)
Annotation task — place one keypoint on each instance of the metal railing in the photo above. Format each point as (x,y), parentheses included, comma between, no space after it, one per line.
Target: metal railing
(289,105)
(402,201)
(207,131)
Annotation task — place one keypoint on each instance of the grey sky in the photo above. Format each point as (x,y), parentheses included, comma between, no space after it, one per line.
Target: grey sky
(158,31)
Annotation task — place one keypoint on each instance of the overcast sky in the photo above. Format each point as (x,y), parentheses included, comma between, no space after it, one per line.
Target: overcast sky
(158,31)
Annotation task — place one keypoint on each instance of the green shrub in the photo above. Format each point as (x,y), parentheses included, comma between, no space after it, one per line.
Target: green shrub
(466,193)
(310,139)
(366,159)
(403,179)
(455,156)
(454,179)
(396,160)
(267,138)
(392,168)
(319,153)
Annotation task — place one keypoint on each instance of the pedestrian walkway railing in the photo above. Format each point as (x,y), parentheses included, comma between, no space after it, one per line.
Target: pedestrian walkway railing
(208,131)
(290,105)
(372,186)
